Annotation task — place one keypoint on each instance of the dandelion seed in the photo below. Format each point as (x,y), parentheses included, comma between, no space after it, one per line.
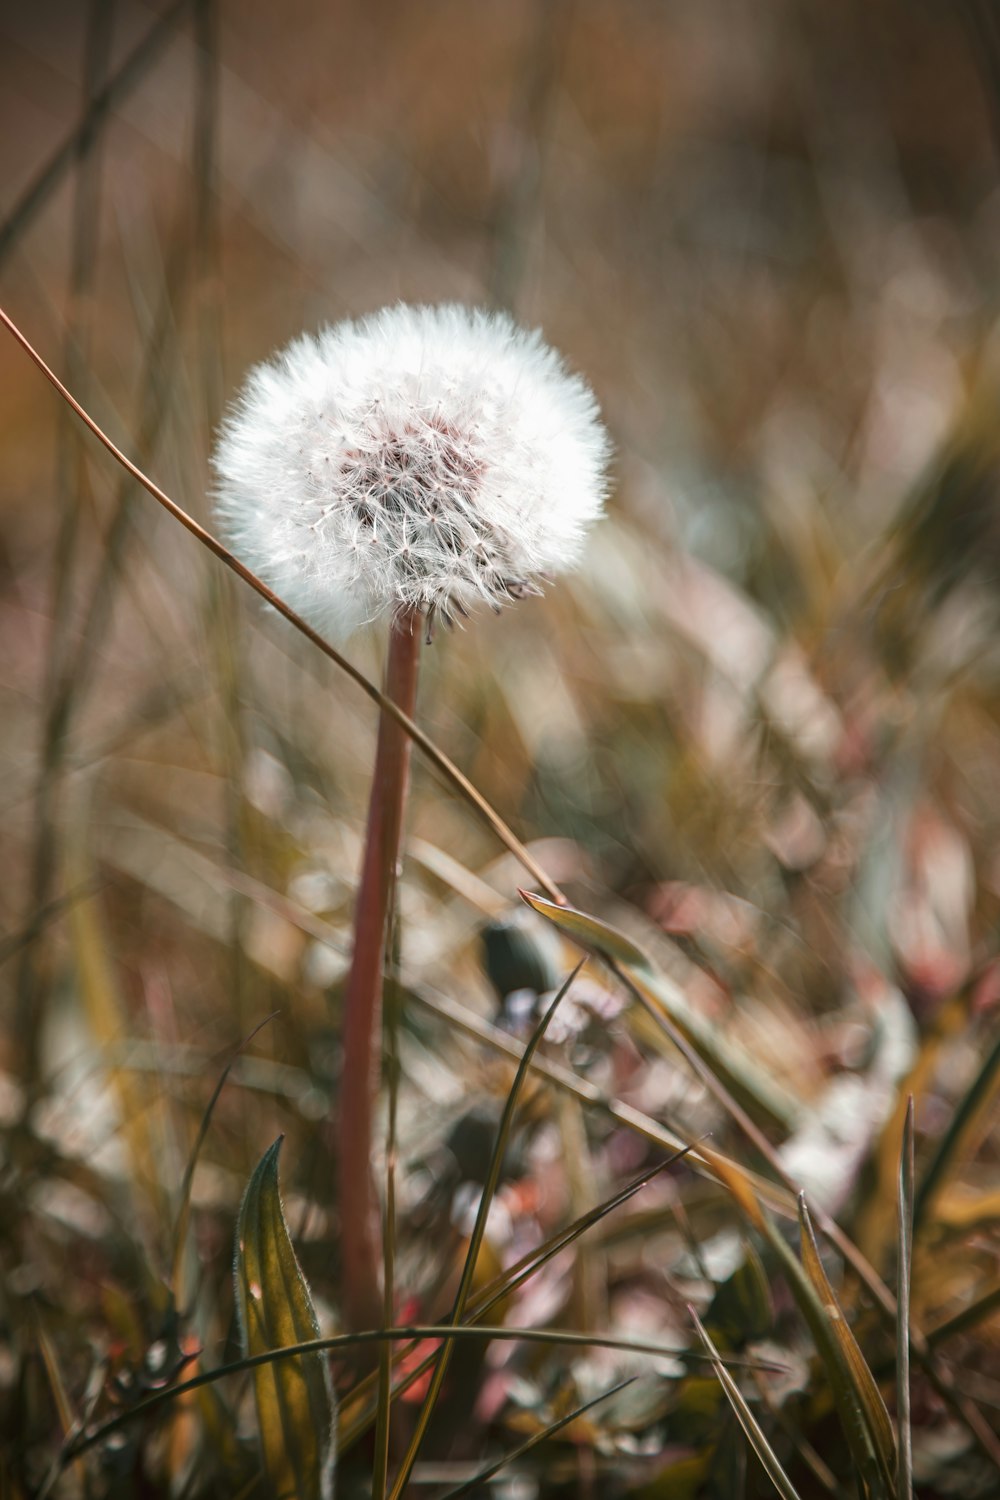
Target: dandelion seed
(424,458)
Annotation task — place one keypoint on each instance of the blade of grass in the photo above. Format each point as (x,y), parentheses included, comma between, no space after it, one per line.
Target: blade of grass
(850,1410)
(904,1476)
(963,1408)
(106,1015)
(780,1199)
(960,1212)
(50,912)
(751,1427)
(588,1273)
(70,683)
(816,1465)
(531,1263)
(479,1231)
(818,1306)
(663,1001)
(35,195)
(479,1030)
(95,1387)
(862,1385)
(466,1021)
(514,1276)
(441,762)
(34,979)
(485,1475)
(588,932)
(876,1218)
(80,318)
(975,1100)
(184,1208)
(447,1332)
(969,1317)
(51,1361)
(517,187)
(221,607)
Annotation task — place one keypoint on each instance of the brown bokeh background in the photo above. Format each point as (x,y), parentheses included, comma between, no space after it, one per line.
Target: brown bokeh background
(761,726)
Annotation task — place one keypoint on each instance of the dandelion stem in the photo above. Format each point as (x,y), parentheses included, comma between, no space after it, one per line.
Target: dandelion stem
(360,1230)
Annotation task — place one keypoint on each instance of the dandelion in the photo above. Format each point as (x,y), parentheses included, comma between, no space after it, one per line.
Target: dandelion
(423,459)
(412,464)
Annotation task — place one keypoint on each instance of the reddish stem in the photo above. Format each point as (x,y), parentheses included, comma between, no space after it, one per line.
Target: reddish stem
(362,1035)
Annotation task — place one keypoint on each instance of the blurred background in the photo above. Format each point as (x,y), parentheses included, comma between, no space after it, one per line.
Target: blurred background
(759,730)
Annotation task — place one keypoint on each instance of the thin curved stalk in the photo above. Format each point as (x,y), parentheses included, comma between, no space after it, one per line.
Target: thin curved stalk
(448,1332)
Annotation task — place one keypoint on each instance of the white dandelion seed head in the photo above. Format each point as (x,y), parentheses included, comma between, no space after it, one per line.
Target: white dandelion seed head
(423,458)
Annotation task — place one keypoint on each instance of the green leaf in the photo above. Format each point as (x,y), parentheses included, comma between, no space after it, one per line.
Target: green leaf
(296,1411)
(665,1001)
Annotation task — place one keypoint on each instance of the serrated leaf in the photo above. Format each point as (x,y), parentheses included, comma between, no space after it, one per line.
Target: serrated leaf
(863,1389)
(296,1411)
(744,1078)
